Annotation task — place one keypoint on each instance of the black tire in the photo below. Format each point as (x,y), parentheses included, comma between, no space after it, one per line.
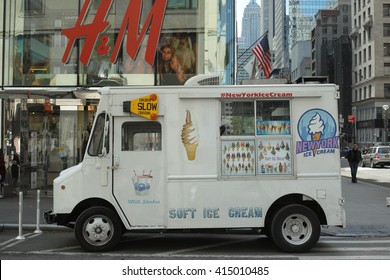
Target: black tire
(98,229)
(295,228)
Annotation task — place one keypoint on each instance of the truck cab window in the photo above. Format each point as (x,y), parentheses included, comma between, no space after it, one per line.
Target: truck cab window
(141,136)
(96,144)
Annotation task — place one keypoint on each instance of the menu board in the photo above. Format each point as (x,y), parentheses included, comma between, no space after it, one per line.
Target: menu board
(238,158)
(273,157)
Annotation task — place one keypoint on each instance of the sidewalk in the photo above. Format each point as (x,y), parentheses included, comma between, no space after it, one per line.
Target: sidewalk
(9,212)
(365,206)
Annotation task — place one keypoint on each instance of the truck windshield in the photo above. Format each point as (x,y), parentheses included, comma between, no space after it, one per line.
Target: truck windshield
(96,143)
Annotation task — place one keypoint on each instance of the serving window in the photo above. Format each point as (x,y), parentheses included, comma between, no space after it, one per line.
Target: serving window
(256,138)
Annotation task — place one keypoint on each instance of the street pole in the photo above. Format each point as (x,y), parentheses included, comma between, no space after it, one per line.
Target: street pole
(386,125)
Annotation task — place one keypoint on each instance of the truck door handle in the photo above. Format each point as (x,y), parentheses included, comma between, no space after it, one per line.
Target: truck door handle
(116,162)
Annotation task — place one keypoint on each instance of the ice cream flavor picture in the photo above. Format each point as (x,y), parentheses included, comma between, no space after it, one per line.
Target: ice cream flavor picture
(238,158)
(276,160)
(190,136)
(273,127)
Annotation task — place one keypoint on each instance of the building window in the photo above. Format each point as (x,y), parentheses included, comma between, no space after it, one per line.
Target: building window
(33,7)
(334,30)
(180,4)
(386,10)
(369,71)
(386,29)
(345,18)
(369,52)
(345,30)
(386,69)
(386,49)
(387,90)
(324,30)
(369,90)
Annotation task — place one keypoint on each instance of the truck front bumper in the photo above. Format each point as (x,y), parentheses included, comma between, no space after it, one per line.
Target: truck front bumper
(50,217)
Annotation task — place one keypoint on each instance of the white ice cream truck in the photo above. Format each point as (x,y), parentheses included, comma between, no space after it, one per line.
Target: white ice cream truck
(210,157)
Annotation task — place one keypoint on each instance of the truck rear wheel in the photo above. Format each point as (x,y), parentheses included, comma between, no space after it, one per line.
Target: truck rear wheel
(295,228)
(98,229)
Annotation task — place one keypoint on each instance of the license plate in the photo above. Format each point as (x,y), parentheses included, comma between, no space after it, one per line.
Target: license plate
(386,156)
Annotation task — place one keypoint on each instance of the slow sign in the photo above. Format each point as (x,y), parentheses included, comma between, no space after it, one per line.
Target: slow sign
(146,106)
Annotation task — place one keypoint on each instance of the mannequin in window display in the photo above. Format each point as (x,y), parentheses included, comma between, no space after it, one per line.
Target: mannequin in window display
(186,55)
(137,66)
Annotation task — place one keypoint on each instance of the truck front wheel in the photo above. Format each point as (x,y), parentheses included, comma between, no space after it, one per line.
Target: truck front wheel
(295,228)
(98,229)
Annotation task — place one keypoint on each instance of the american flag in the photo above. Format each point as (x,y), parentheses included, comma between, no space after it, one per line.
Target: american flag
(263,54)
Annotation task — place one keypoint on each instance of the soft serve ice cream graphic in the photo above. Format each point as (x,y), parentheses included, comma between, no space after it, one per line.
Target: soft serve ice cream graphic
(190,136)
(316,129)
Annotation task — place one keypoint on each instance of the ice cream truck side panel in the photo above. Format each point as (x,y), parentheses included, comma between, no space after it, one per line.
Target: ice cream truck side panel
(218,157)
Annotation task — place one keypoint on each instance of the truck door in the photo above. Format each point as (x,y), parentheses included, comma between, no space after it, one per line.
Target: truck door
(138,177)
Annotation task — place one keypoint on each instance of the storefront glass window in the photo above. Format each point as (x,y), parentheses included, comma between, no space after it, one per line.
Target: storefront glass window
(194,39)
(49,129)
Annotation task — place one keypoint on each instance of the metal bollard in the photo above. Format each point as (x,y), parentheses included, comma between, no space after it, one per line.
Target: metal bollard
(38,230)
(20,236)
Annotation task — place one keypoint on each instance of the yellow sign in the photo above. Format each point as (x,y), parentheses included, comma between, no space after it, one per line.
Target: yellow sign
(146,107)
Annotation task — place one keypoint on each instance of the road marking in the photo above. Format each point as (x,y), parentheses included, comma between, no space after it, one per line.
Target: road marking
(12,242)
(176,252)
(352,241)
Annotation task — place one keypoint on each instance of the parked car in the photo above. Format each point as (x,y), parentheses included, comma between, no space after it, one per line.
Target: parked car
(344,151)
(379,155)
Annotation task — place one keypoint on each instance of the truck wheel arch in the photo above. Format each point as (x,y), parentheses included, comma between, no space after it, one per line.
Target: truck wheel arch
(85,204)
(293,199)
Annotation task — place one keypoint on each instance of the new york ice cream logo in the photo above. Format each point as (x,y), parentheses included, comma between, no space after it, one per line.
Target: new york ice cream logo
(317,130)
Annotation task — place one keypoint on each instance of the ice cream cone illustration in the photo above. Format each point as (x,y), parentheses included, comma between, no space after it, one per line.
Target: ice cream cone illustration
(190,137)
(316,128)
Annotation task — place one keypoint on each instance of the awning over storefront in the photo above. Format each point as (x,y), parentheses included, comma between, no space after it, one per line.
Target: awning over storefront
(49,92)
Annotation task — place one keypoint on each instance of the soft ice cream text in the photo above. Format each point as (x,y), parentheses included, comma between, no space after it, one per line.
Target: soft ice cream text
(214,213)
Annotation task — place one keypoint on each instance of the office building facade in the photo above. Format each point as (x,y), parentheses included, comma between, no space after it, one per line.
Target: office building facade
(371,70)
